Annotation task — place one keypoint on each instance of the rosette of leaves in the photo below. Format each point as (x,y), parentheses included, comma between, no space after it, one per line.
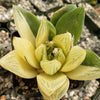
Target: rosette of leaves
(47,50)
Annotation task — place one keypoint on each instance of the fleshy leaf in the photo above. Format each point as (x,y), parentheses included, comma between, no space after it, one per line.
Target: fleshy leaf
(41,53)
(56,16)
(89,70)
(53,87)
(84,73)
(25,50)
(63,41)
(50,67)
(15,64)
(32,21)
(91,59)
(43,33)
(72,22)
(26,23)
(52,30)
(75,57)
(59,93)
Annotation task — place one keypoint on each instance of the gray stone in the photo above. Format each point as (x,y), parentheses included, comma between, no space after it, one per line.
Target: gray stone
(46,5)
(8,3)
(81,94)
(92,19)
(73,1)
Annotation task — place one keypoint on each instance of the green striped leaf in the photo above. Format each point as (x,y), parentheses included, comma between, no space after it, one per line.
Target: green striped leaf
(30,18)
(52,87)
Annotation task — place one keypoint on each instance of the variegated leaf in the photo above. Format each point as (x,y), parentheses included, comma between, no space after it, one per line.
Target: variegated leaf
(15,64)
(53,87)
(64,41)
(25,49)
(75,57)
(50,67)
(89,70)
(43,33)
(41,53)
(27,24)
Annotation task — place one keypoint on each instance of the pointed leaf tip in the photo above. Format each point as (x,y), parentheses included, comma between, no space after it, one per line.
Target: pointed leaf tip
(72,22)
(43,33)
(58,14)
(26,23)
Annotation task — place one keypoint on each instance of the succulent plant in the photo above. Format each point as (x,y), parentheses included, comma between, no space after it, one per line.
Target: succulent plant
(47,50)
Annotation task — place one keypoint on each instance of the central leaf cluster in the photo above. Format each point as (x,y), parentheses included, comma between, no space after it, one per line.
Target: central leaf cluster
(58,54)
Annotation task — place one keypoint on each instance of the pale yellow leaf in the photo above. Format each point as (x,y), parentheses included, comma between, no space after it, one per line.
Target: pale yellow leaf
(53,87)
(64,41)
(84,73)
(23,27)
(41,53)
(74,59)
(50,67)
(13,63)
(59,93)
(43,33)
(25,49)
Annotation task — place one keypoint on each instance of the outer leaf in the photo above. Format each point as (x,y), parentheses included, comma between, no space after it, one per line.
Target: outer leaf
(22,25)
(59,93)
(17,65)
(25,50)
(63,41)
(50,67)
(89,70)
(56,16)
(41,53)
(43,33)
(30,18)
(75,57)
(91,59)
(84,73)
(52,87)
(72,22)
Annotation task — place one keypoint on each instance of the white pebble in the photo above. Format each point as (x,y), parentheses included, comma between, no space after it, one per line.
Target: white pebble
(71,93)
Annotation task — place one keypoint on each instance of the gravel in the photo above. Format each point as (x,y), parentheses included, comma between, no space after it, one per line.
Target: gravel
(87,41)
(45,5)
(5,43)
